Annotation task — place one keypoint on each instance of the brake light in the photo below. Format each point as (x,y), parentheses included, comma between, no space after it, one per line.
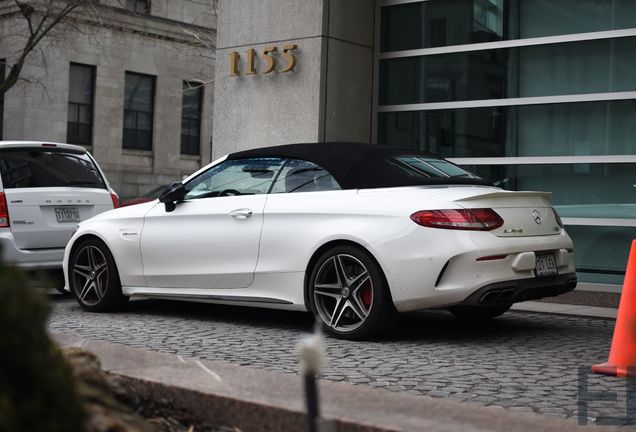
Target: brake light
(115,199)
(4,211)
(461,219)
(557,217)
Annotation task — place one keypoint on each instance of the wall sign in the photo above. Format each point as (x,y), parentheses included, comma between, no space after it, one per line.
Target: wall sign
(270,59)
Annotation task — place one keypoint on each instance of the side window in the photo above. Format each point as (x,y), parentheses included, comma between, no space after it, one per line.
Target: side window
(304,176)
(235,177)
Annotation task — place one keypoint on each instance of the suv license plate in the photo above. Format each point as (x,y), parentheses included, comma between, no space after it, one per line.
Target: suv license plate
(67,214)
(546,265)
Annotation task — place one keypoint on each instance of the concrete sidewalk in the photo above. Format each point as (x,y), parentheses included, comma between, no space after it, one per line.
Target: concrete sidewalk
(259,400)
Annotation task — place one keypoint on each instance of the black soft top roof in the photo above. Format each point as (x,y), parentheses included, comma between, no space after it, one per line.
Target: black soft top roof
(356,165)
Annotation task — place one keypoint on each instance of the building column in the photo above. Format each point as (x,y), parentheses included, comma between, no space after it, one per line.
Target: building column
(328,96)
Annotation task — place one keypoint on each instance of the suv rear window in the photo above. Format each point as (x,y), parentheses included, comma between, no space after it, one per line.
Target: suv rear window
(46,167)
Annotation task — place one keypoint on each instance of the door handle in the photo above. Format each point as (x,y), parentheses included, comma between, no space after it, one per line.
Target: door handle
(241,213)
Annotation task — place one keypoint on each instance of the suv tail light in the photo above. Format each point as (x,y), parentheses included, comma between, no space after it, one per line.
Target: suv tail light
(557,217)
(115,199)
(4,211)
(459,219)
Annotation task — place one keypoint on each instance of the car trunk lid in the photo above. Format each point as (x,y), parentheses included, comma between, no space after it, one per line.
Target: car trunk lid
(526,213)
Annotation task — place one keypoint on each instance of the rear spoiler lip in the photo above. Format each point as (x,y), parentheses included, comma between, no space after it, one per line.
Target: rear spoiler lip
(505,194)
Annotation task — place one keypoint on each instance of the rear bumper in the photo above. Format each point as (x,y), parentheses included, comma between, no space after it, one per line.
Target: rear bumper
(514,291)
(28,259)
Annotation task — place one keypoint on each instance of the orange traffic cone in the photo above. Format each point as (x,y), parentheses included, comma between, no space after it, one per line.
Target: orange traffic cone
(622,358)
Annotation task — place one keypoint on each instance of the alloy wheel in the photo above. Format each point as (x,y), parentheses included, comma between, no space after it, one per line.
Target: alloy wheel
(343,292)
(90,275)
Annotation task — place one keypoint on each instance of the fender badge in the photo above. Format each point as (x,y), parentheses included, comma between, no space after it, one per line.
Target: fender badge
(513,231)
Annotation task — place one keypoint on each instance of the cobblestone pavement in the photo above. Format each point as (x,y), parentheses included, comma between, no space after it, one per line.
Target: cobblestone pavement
(521,361)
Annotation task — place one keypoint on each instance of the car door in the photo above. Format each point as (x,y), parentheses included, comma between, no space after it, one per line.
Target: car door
(211,238)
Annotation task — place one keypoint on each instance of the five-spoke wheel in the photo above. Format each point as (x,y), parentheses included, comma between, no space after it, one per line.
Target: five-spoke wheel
(93,276)
(348,293)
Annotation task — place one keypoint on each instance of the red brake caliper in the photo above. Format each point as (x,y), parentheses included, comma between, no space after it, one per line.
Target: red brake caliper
(367,295)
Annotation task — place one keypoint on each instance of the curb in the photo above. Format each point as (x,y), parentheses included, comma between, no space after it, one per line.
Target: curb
(565,309)
(259,400)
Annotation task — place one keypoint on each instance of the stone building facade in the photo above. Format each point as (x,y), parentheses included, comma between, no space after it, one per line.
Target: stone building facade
(115,82)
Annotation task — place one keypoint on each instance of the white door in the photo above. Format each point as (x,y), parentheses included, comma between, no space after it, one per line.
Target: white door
(211,239)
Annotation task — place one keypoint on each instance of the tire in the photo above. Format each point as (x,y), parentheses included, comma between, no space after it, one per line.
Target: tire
(479,313)
(348,294)
(93,277)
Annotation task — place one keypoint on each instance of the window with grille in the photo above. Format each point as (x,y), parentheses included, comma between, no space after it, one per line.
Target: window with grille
(138,111)
(81,89)
(191,118)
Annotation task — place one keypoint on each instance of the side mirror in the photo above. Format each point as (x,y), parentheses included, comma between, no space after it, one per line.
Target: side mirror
(171,194)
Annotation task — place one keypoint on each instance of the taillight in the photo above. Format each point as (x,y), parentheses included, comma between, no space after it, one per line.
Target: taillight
(461,219)
(557,217)
(115,199)
(4,211)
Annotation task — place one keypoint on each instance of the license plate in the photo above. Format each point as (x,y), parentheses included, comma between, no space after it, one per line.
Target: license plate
(67,214)
(546,265)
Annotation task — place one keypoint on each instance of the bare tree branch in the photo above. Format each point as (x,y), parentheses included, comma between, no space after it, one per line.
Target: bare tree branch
(41,22)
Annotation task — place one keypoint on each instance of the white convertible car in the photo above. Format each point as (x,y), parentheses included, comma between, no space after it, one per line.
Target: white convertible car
(352,232)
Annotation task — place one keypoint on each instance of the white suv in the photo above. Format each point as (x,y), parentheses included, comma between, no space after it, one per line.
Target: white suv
(46,189)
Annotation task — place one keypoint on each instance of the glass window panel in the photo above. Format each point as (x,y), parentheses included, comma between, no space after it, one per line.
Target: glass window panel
(144,140)
(442,78)
(559,69)
(2,73)
(130,119)
(441,23)
(542,70)
(138,111)
(73,112)
(571,129)
(139,92)
(71,132)
(144,121)
(456,22)
(475,132)
(80,104)
(192,95)
(191,118)
(83,134)
(578,190)
(600,253)
(81,84)
(538,18)
(84,114)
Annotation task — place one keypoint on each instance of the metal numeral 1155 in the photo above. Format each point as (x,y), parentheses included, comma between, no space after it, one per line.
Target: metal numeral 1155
(268,58)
